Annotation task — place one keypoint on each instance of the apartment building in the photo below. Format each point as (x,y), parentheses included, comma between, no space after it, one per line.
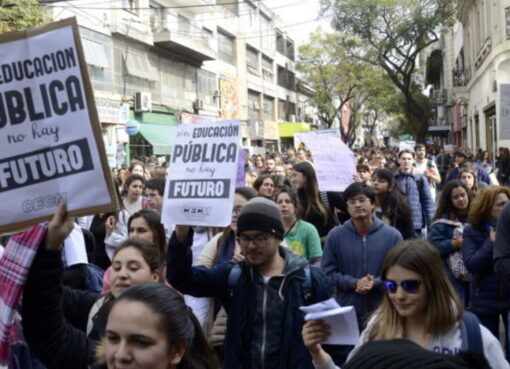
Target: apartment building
(155,63)
(474,64)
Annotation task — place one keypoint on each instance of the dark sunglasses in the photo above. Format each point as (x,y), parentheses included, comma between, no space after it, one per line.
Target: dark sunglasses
(410,286)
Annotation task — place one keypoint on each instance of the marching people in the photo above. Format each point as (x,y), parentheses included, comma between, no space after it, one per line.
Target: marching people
(353,257)
(420,305)
(461,157)
(265,186)
(261,294)
(446,234)
(62,325)
(428,168)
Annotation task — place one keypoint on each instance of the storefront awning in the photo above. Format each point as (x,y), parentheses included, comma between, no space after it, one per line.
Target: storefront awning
(288,129)
(160,137)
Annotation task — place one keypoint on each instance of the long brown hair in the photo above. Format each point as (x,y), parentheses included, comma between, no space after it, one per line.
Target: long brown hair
(310,191)
(444,307)
(483,202)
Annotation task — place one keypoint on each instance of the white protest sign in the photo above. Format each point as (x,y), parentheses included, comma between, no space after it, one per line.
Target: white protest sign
(52,149)
(333,161)
(406,145)
(202,178)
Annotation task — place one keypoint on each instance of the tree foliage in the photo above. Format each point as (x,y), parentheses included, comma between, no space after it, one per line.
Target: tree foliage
(19,14)
(391,34)
(340,80)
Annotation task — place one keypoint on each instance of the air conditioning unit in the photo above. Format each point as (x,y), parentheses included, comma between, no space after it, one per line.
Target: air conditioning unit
(143,102)
(198,104)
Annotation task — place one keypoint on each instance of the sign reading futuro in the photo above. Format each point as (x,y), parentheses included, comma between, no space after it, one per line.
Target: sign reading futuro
(203,170)
(52,148)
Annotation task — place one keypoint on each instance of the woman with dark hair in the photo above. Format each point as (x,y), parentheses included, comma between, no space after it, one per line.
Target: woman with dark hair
(446,233)
(301,237)
(419,305)
(490,294)
(168,335)
(264,185)
(61,325)
(391,204)
(316,207)
(484,162)
(260,164)
(131,194)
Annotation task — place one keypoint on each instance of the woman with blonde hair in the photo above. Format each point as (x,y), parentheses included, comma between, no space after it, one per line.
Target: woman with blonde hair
(490,294)
(420,305)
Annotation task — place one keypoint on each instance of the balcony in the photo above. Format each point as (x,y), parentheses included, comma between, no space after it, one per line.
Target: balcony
(461,77)
(189,40)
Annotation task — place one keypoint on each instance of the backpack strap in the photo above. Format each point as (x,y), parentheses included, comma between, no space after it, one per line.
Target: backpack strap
(93,311)
(470,333)
(233,278)
(306,286)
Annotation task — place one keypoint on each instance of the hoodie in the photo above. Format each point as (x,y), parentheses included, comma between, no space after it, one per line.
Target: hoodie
(349,256)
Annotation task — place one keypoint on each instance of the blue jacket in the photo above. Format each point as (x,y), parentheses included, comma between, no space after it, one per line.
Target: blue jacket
(349,256)
(441,236)
(264,321)
(416,187)
(481,175)
(490,294)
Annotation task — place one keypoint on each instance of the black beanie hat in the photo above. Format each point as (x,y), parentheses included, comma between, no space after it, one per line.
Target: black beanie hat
(261,214)
(404,354)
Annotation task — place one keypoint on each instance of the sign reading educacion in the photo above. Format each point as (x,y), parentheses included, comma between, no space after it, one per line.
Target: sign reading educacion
(52,149)
(333,161)
(200,186)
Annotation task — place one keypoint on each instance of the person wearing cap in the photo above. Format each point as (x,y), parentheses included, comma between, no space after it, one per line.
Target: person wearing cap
(462,156)
(264,320)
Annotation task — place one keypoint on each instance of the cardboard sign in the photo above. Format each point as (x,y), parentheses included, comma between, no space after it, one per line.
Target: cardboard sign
(333,161)
(50,138)
(203,171)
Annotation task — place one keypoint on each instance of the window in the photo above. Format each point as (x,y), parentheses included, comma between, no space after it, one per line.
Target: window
(225,48)
(268,108)
(267,69)
(290,50)
(183,25)
(141,67)
(282,110)
(252,60)
(280,43)
(253,105)
(95,54)
(206,86)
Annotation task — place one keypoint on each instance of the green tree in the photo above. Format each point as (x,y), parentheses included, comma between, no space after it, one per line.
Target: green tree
(391,34)
(340,80)
(20,14)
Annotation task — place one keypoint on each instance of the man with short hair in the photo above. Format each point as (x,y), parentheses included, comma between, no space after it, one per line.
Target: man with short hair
(270,165)
(353,256)
(363,174)
(461,157)
(428,168)
(262,301)
(154,189)
(416,187)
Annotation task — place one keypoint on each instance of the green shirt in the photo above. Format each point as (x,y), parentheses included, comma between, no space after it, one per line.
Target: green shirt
(304,240)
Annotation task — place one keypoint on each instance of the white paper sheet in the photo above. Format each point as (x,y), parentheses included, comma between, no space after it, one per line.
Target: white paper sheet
(74,247)
(342,320)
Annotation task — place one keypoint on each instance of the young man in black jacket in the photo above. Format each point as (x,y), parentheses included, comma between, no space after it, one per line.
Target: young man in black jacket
(262,294)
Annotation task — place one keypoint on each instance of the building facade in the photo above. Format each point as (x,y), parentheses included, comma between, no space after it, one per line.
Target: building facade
(160,62)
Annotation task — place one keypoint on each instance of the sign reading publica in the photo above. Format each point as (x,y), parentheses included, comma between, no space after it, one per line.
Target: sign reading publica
(201,183)
(52,148)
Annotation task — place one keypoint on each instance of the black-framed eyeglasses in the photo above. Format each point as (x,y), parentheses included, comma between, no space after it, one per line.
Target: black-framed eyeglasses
(361,201)
(409,285)
(259,240)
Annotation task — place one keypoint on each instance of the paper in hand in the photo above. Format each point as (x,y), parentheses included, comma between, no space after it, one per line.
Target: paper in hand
(342,320)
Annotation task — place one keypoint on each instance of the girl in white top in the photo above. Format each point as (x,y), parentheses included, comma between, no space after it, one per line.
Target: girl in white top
(420,305)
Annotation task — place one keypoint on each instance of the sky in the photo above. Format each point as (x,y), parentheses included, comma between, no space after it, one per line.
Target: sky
(301,17)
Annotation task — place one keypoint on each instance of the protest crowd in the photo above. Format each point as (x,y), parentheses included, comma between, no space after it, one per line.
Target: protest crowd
(418,244)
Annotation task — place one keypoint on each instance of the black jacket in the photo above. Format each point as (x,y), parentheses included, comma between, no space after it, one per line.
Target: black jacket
(55,318)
